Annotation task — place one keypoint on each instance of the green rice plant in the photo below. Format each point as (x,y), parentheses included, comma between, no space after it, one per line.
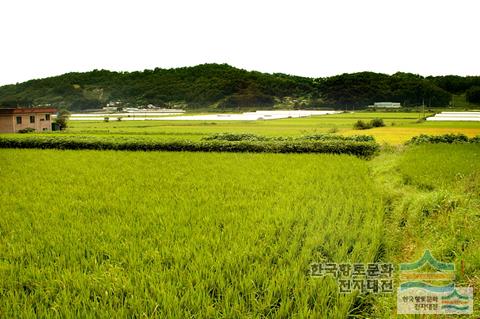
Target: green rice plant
(440,165)
(179,234)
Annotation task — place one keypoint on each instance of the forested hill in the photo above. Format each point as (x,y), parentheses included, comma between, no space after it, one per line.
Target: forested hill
(223,86)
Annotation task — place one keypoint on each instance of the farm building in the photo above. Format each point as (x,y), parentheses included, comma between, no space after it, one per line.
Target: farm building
(14,119)
(387,105)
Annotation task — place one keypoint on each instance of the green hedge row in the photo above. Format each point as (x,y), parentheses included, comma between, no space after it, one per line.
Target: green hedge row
(312,137)
(446,138)
(362,149)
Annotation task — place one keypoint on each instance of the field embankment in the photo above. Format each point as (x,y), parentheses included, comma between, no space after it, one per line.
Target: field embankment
(432,195)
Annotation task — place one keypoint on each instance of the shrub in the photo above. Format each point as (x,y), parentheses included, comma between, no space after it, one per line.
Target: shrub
(362,149)
(27,130)
(446,138)
(361,125)
(330,137)
(62,119)
(475,140)
(377,122)
(236,137)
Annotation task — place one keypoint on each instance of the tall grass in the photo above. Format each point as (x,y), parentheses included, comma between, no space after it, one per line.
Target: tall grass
(432,193)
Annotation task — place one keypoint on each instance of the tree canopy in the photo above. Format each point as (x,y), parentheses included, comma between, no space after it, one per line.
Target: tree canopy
(224,86)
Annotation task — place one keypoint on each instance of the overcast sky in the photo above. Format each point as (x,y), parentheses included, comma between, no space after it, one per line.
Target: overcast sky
(310,38)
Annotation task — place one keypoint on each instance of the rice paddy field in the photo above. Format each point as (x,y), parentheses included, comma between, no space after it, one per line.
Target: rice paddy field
(180,234)
(102,234)
(399,128)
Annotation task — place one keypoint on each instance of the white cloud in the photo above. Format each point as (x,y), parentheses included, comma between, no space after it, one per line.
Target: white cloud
(311,38)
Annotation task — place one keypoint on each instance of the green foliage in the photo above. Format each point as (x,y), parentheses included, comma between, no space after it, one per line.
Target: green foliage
(446,138)
(361,125)
(365,88)
(228,87)
(335,146)
(310,137)
(62,119)
(473,95)
(235,137)
(27,130)
(334,137)
(455,84)
(198,86)
(377,122)
(85,103)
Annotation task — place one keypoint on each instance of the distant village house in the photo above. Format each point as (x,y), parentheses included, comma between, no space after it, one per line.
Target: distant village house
(13,120)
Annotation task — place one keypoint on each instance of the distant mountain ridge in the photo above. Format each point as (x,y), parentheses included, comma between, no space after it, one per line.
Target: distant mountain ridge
(222,86)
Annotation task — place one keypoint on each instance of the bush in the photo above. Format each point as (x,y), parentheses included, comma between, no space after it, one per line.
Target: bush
(377,122)
(362,149)
(332,137)
(236,137)
(446,138)
(62,119)
(361,125)
(27,130)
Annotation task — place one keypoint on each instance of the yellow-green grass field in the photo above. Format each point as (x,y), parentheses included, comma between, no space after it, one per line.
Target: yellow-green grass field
(399,128)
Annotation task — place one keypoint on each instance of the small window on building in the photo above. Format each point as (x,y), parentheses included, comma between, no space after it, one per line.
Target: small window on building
(47,117)
(32,118)
(19,120)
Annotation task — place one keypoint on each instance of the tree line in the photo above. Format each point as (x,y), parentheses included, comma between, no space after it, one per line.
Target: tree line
(223,86)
